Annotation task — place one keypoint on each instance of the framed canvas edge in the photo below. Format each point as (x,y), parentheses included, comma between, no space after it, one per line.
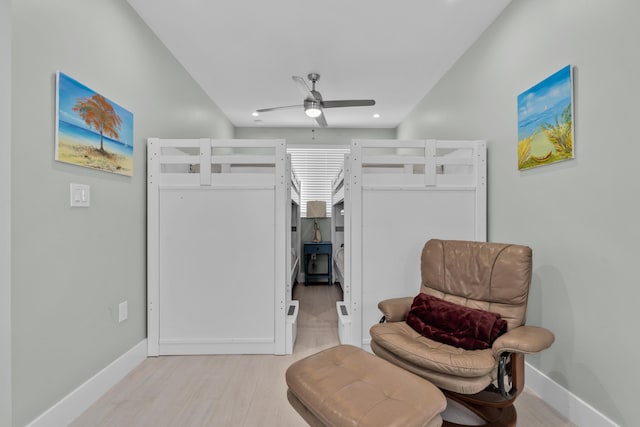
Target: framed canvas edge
(573,114)
(57,118)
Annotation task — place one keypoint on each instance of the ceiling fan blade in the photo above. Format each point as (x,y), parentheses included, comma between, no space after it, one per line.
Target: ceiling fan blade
(322,121)
(264,110)
(304,88)
(349,103)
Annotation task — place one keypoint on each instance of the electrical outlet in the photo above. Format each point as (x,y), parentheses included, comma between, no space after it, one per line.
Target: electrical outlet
(123,311)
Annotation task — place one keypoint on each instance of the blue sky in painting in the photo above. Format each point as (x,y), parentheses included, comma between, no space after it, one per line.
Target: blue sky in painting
(543,102)
(69,90)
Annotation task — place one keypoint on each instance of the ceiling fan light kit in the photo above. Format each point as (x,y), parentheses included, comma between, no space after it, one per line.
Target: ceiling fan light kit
(312,108)
(314,104)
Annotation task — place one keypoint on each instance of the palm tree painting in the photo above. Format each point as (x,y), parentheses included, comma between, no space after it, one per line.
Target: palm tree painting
(545,121)
(91,130)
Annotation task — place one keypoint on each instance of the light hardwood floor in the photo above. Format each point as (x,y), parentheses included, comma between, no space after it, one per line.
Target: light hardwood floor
(242,390)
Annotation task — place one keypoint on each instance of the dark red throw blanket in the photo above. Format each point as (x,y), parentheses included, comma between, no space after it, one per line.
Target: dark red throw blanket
(453,324)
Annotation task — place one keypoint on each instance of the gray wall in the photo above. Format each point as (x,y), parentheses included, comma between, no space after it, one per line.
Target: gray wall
(5,212)
(329,136)
(72,267)
(580,216)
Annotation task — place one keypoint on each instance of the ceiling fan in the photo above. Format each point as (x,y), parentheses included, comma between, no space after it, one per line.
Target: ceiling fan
(314,104)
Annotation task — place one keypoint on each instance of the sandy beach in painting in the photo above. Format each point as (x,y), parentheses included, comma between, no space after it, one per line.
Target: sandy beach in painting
(552,143)
(78,152)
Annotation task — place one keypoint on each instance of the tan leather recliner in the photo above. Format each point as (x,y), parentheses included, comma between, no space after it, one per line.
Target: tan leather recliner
(488,276)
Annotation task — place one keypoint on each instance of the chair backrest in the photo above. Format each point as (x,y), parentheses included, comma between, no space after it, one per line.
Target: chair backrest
(493,277)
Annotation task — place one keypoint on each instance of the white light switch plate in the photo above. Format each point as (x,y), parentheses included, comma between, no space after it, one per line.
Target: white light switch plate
(80,195)
(123,311)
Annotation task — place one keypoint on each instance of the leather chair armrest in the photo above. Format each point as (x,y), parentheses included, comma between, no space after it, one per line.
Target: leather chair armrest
(395,309)
(523,339)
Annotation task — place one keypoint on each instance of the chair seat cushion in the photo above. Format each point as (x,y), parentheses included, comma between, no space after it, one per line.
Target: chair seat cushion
(454,324)
(403,341)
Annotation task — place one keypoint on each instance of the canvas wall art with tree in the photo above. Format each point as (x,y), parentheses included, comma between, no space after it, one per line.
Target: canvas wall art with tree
(545,121)
(91,130)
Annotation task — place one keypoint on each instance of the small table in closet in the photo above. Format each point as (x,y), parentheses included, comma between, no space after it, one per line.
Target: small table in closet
(317,248)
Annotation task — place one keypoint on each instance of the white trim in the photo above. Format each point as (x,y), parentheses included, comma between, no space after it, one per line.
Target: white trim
(562,400)
(153,246)
(292,327)
(283,203)
(248,346)
(80,399)
(319,145)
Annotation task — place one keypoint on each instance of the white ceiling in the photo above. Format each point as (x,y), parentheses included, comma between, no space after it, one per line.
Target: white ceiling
(244,52)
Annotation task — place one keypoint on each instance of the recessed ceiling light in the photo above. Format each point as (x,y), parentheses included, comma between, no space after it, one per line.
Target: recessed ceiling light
(376,116)
(255,114)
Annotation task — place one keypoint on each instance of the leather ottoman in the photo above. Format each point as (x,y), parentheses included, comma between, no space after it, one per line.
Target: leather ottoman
(346,386)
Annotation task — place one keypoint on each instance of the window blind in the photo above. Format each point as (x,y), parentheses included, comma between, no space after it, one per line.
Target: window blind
(315,168)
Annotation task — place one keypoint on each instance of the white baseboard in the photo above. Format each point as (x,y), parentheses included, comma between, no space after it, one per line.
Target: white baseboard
(562,400)
(79,400)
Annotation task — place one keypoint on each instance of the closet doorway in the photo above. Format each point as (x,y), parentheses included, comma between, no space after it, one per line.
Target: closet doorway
(316,167)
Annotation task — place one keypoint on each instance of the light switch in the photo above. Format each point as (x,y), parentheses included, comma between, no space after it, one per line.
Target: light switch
(123,311)
(80,195)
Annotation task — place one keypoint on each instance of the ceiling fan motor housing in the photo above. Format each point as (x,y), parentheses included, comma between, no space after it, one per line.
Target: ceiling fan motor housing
(316,95)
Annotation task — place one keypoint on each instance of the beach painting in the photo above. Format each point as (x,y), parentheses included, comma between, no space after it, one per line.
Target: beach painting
(91,130)
(545,121)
